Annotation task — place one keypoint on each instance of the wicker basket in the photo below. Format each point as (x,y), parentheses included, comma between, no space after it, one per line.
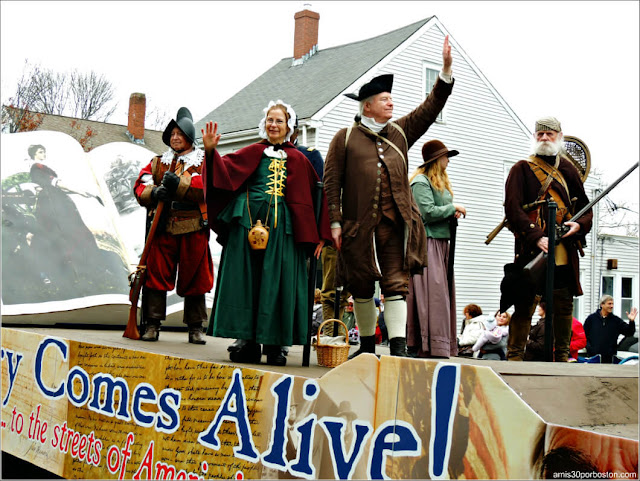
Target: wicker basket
(332,355)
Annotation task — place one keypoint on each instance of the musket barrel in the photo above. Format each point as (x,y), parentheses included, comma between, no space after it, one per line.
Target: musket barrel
(603,193)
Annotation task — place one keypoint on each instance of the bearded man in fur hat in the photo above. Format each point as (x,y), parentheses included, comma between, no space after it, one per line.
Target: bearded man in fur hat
(547,174)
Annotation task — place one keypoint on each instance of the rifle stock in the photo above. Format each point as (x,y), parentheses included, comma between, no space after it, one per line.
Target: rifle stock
(534,270)
(137,279)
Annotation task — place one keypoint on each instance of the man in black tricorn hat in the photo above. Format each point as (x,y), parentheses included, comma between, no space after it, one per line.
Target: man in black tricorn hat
(180,248)
(375,222)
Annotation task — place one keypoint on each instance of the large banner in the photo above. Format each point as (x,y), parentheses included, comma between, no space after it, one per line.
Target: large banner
(82,410)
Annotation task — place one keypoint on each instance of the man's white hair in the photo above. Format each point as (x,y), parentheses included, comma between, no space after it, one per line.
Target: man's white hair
(361,105)
(605,298)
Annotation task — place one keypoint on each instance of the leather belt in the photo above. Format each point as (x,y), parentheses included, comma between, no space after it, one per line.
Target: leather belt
(183,206)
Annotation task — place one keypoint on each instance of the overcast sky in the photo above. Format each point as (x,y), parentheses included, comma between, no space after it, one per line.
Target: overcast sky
(575,60)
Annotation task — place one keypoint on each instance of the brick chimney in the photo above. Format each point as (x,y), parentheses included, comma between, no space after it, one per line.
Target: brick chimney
(305,35)
(137,110)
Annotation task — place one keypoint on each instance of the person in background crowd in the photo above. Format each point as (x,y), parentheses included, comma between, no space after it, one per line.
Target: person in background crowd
(180,248)
(469,312)
(267,186)
(475,324)
(578,339)
(493,341)
(329,253)
(375,223)
(548,173)
(603,327)
(431,315)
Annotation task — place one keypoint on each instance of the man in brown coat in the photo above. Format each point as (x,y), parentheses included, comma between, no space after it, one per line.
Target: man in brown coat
(375,222)
(525,186)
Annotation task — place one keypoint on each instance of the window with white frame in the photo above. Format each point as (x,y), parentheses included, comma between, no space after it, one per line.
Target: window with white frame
(626,295)
(431,72)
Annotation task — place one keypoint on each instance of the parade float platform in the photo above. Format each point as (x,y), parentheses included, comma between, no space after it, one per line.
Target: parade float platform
(597,397)
(171,409)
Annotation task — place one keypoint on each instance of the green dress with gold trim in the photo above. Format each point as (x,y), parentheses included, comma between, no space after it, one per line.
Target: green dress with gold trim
(261,295)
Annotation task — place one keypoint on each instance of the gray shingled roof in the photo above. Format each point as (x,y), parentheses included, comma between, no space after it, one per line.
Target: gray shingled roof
(307,87)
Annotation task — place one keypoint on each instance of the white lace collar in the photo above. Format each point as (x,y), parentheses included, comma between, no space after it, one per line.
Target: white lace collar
(192,159)
(279,154)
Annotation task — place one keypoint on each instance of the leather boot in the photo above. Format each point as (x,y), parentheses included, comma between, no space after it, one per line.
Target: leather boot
(195,333)
(367,344)
(244,350)
(275,355)
(152,331)
(398,347)
(154,307)
(195,314)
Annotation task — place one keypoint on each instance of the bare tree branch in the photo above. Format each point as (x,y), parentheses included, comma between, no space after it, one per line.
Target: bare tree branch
(91,95)
(40,90)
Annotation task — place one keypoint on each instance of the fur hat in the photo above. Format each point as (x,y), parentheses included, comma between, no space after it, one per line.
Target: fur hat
(433,150)
(184,121)
(548,123)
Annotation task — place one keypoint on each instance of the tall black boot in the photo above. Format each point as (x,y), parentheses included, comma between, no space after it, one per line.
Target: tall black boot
(398,347)
(367,344)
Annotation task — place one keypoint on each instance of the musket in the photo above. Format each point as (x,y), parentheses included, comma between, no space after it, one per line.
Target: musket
(136,278)
(536,266)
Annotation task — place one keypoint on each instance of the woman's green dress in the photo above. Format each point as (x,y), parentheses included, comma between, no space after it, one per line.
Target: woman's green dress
(261,295)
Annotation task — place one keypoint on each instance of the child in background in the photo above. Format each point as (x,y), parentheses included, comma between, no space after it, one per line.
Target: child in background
(494,338)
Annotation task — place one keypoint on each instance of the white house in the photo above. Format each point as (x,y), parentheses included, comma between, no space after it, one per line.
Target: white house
(476,121)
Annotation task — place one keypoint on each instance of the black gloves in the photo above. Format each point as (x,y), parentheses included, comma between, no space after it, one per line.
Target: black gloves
(160,193)
(167,189)
(170,181)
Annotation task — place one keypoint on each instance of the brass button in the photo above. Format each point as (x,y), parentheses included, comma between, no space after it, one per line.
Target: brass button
(379,143)
(375,206)
(379,172)
(374,214)
(333,206)
(378,181)
(532,225)
(377,188)
(380,149)
(375,198)
(379,164)
(382,156)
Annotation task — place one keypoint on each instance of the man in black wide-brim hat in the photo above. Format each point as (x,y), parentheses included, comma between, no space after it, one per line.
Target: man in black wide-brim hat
(180,248)
(375,222)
